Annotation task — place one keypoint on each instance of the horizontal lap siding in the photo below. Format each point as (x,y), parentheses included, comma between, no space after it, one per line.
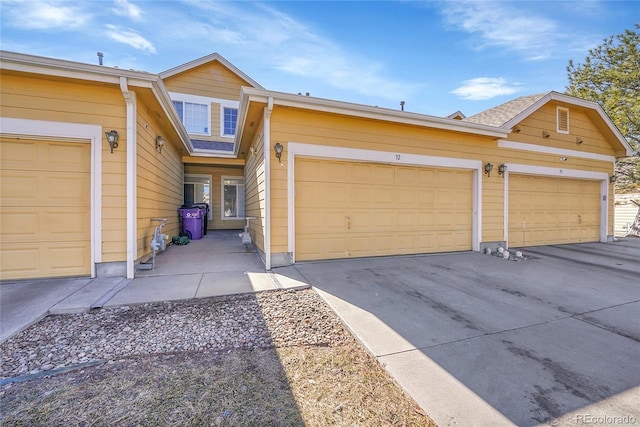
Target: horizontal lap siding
(295,125)
(64,101)
(254,179)
(159,180)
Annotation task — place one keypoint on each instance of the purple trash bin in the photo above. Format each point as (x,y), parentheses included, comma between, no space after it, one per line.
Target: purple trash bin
(191,223)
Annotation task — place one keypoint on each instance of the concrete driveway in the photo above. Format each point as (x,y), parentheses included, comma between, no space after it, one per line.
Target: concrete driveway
(481,341)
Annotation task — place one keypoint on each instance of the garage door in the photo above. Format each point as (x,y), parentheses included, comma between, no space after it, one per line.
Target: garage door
(45,228)
(350,209)
(546,210)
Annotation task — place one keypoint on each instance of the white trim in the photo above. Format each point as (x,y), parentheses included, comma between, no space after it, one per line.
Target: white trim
(222,184)
(131,177)
(197,99)
(266,129)
(249,95)
(353,154)
(558,110)
(505,224)
(603,177)
(222,108)
(92,133)
(513,145)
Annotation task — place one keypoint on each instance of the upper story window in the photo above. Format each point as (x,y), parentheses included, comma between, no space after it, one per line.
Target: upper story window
(195,117)
(230,118)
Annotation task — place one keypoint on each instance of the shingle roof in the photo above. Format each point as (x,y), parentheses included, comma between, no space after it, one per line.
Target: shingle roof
(200,144)
(498,116)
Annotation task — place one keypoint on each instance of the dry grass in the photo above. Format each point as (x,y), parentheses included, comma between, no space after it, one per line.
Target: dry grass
(286,386)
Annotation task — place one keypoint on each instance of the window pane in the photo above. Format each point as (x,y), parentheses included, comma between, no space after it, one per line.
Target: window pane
(230,201)
(179,109)
(196,118)
(197,189)
(240,201)
(189,190)
(230,119)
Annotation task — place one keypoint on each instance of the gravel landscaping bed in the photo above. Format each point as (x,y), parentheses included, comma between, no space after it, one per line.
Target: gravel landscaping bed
(277,318)
(272,358)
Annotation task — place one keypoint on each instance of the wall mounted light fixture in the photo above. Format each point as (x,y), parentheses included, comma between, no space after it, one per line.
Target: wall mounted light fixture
(516,129)
(253,150)
(579,140)
(278,149)
(488,167)
(112,139)
(502,169)
(613,179)
(160,142)
(545,134)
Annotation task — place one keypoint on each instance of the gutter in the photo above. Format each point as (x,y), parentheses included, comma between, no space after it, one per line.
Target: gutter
(267,179)
(130,101)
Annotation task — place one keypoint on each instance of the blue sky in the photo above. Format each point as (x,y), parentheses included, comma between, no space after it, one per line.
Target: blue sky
(438,57)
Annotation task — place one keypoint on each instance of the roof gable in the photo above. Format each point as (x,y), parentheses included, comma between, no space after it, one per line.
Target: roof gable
(205,60)
(509,114)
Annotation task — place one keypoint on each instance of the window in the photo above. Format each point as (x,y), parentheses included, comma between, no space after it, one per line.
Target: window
(232,197)
(562,120)
(195,117)
(197,189)
(230,117)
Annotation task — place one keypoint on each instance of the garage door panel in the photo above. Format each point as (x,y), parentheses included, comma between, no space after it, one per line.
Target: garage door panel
(46,192)
(396,210)
(550,210)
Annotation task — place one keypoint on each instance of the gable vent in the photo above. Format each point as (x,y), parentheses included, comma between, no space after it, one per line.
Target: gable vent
(563,120)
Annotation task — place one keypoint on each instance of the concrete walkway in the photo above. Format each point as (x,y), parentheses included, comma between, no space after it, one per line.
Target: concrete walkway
(216,265)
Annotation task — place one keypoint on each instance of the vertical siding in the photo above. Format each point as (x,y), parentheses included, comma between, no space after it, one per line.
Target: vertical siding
(254,181)
(216,173)
(159,180)
(62,101)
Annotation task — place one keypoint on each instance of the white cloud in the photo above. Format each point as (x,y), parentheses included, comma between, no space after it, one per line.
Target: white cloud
(130,38)
(296,48)
(508,26)
(129,10)
(482,88)
(45,15)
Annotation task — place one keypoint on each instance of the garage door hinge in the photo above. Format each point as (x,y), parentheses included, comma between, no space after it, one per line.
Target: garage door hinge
(604,198)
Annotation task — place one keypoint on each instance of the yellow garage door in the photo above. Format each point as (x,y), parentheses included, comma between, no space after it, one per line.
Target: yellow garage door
(45,214)
(546,210)
(350,209)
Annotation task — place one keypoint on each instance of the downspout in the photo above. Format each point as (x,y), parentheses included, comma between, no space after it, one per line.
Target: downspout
(267,183)
(130,101)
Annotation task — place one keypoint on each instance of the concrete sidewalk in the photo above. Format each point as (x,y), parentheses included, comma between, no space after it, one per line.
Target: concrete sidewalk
(216,265)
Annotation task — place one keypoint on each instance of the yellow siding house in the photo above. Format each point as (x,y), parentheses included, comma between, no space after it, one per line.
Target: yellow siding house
(324,179)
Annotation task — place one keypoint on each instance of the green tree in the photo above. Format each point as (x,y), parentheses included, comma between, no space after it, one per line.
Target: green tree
(610,76)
